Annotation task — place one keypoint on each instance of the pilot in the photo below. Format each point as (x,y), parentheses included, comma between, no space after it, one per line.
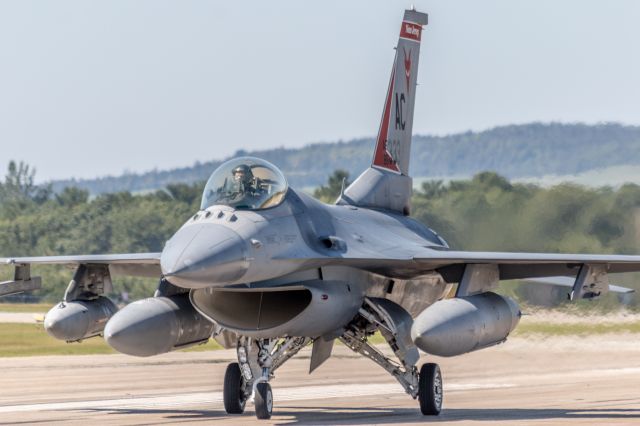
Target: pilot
(243,176)
(244,187)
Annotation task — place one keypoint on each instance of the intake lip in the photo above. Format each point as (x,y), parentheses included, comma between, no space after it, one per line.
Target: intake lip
(202,255)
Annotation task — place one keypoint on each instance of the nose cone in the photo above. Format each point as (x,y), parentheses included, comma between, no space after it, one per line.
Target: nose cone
(204,254)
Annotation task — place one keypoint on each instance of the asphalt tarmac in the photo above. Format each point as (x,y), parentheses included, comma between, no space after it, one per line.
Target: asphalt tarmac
(594,380)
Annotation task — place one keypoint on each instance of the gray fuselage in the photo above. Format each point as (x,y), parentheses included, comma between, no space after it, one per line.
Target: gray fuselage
(224,255)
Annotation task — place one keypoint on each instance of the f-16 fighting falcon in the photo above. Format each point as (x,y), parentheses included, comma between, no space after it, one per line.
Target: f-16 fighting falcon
(268,270)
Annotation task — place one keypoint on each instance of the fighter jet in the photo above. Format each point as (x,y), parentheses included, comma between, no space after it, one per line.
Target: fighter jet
(269,270)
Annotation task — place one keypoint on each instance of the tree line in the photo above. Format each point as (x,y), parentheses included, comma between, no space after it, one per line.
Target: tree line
(486,212)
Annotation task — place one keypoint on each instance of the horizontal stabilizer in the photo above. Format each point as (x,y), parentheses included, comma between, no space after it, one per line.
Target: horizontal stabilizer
(569,282)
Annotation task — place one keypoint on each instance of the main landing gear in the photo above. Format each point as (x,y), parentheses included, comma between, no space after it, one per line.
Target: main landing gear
(376,315)
(248,379)
(430,389)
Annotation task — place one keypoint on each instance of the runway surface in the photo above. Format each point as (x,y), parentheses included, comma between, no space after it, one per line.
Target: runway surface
(593,380)
(19,317)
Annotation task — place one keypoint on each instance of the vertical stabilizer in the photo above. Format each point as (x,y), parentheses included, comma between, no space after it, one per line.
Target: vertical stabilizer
(393,144)
(386,184)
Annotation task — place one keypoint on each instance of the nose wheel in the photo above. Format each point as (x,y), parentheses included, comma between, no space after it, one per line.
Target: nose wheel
(264,401)
(430,390)
(233,393)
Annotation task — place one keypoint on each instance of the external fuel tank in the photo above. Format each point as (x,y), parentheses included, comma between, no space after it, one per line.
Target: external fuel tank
(456,326)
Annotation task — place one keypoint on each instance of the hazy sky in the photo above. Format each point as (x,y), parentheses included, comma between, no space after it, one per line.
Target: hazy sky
(91,88)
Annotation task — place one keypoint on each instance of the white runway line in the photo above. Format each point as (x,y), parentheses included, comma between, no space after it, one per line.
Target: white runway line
(214,399)
(592,373)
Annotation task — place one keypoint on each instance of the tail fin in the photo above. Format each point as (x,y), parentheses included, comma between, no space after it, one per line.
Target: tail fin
(393,144)
(386,184)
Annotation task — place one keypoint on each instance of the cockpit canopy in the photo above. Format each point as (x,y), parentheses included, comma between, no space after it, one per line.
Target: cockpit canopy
(246,183)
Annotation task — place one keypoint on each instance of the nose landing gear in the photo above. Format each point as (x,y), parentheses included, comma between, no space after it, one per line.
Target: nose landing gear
(264,401)
(249,377)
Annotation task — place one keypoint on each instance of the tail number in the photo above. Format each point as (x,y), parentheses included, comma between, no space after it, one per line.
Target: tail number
(400,121)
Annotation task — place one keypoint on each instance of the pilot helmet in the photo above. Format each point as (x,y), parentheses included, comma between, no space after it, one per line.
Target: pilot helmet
(243,173)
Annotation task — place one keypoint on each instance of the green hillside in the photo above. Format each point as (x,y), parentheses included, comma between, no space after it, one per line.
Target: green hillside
(516,151)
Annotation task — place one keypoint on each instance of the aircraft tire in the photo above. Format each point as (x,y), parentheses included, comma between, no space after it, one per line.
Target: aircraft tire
(232,393)
(430,392)
(264,401)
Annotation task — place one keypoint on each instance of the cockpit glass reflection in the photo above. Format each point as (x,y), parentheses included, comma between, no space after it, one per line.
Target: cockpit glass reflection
(245,183)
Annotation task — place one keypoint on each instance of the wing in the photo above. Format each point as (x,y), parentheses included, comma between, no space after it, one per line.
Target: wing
(130,259)
(132,264)
(451,264)
(480,271)
(523,265)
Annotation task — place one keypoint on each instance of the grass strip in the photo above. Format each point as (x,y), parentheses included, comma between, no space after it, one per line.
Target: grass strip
(566,329)
(35,308)
(32,340)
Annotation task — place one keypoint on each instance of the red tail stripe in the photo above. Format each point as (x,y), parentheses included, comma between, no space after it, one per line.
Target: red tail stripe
(382,157)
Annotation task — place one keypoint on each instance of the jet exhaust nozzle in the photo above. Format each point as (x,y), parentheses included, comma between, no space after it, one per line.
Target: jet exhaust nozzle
(157,325)
(79,319)
(456,326)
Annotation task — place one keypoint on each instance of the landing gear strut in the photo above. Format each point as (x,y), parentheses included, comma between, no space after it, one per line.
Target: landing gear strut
(248,379)
(425,386)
